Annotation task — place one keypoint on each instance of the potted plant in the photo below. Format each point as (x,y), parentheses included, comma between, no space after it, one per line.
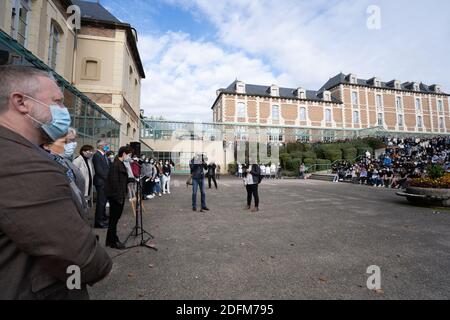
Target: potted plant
(433,189)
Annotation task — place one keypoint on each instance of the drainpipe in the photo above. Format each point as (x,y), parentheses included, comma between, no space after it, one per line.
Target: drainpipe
(74,56)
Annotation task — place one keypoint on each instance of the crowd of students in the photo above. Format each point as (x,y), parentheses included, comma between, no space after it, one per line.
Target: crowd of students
(402,159)
(268,171)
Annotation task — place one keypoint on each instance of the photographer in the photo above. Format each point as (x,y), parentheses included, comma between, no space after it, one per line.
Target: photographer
(198,166)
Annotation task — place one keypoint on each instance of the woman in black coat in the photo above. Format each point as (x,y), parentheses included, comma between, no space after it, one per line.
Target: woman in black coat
(116,191)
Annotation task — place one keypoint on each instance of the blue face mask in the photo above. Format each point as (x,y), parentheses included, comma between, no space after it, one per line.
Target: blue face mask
(60,122)
(69,149)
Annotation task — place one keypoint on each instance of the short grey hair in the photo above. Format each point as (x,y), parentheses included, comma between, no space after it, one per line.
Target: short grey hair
(19,78)
(101,143)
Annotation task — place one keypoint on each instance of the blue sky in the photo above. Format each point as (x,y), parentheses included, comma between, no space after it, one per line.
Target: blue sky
(191,48)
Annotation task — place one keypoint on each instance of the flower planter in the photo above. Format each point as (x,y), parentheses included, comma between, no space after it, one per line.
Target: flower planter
(427,196)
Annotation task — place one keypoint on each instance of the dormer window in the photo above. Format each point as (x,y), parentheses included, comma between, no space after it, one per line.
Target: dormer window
(416,86)
(301,93)
(327,95)
(397,85)
(353,79)
(274,91)
(376,82)
(240,87)
(436,88)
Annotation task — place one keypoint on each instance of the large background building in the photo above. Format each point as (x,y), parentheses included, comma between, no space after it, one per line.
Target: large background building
(344,102)
(344,108)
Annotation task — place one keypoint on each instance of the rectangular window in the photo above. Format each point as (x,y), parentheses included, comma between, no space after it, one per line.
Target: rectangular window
(241,110)
(327,115)
(53,46)
(398,103)
(303,114)
(419,122)
(19,21)
(400,120)
(354,98)
(379,101)
(380,119)
(441,123)
(355,117)
(275,113)
(418,105)
(440,106)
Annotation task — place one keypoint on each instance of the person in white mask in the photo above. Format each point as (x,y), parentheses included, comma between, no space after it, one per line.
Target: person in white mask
(57,151)
(84,163)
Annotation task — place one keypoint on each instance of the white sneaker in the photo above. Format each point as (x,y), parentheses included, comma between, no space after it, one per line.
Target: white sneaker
(160,194)
(164,192)
(150,197)
(168,192)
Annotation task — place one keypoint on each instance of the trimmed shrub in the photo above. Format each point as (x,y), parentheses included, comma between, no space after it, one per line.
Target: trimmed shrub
(309,154)
(293,164)
(297,155)
(333,154)
(349,154)
(232,168)
(284,158)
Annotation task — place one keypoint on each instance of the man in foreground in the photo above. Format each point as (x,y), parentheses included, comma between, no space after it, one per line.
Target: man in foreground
(42,235)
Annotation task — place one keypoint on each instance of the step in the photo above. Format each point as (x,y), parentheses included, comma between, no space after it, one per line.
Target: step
(322,177)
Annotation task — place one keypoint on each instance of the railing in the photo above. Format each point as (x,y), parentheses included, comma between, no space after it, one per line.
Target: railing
(328,166)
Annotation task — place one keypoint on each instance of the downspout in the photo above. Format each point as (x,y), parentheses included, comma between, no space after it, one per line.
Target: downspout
(74,57)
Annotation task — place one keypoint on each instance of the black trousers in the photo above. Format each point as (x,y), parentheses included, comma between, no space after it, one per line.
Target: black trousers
(100,209)
(252,190)
(116,210)
(214,179)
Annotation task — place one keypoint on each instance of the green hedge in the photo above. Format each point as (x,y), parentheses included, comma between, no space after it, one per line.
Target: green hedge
(310,155)
(333,154)
(350,154)
(284,158)
(294,164)
(232,168)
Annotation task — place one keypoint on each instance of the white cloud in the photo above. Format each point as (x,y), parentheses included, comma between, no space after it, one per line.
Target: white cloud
(292,43)
(183,75)
(309,41)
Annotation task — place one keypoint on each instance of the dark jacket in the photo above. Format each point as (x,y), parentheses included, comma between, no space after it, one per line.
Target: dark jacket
(255,172)
(41,231)
(212,170)
(197,169)
(117,182)
(101,167)
(167,170)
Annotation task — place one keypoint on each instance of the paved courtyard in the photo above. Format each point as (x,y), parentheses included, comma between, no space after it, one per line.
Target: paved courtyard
(311,240)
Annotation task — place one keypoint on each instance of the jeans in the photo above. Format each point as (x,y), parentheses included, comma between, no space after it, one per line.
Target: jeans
(195,184)
(165,183)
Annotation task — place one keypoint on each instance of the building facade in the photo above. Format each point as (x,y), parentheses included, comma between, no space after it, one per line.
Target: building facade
(98,66)
(28,37)
(109,68)
(344,102)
